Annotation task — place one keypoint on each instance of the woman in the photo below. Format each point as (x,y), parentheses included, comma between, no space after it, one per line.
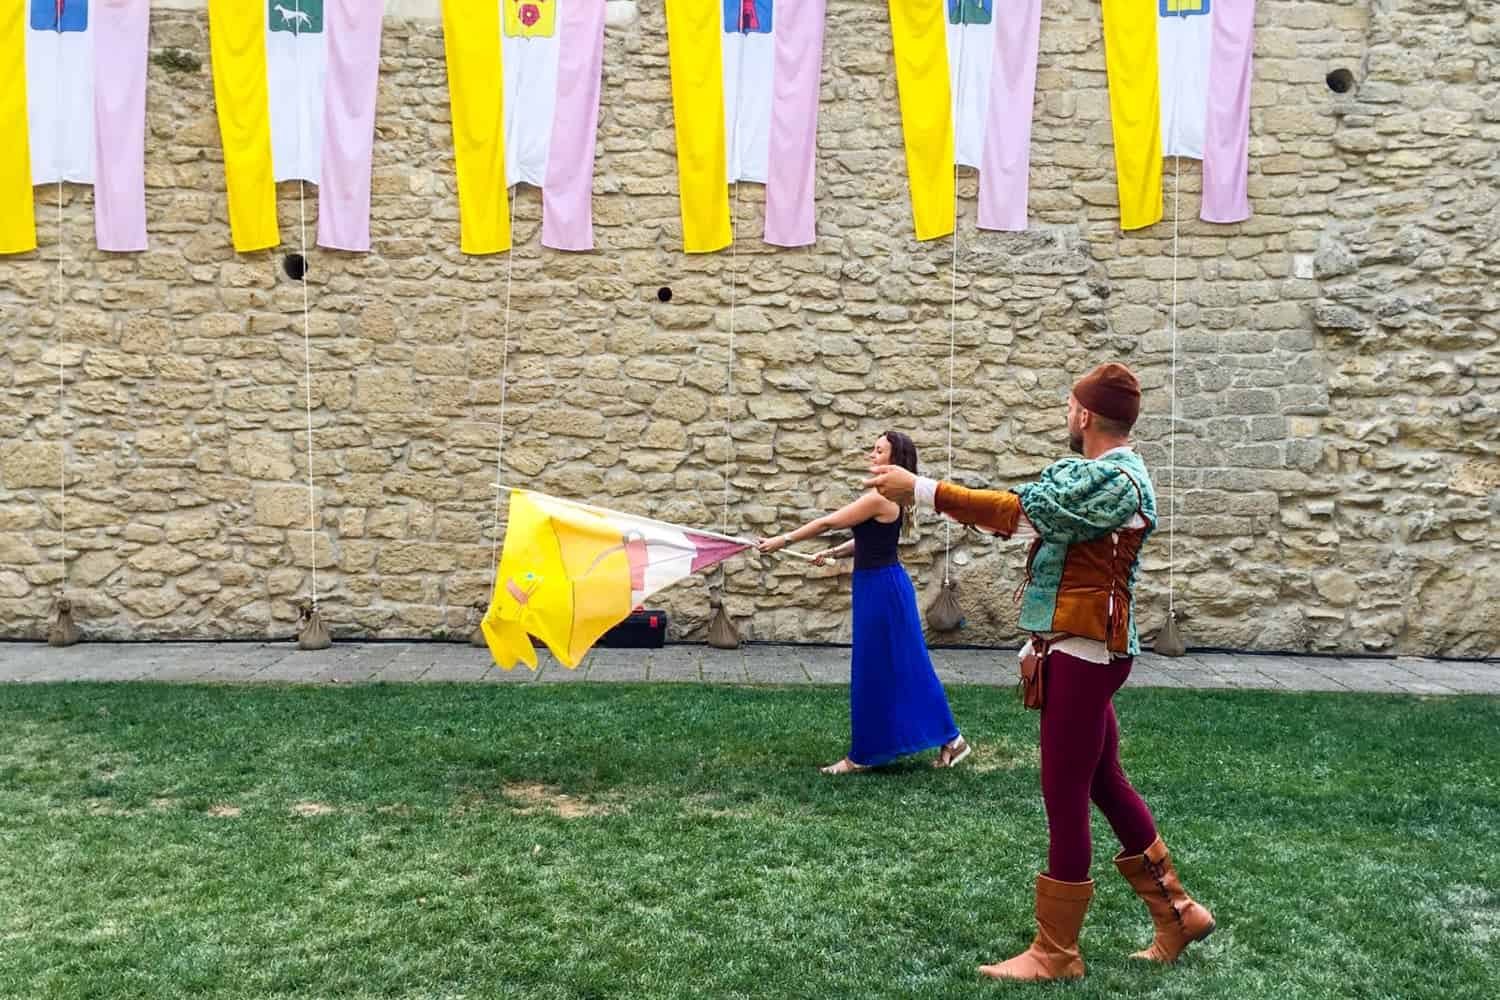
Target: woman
(896,702)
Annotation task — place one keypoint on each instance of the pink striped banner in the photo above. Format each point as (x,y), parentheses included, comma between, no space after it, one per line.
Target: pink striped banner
(791,212)
(1005,171)
(121,30)
(352,79)
(1226,132)
(568,189)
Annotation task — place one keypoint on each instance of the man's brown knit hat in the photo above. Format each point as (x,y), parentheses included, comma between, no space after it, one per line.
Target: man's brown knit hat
(1111,391)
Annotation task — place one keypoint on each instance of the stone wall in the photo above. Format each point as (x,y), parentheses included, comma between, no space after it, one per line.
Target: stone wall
(1338,373)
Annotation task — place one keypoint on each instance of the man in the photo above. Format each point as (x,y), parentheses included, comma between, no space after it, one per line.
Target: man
(1087,519)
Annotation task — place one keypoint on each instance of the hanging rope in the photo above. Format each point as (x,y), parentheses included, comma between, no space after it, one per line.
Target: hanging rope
(312,634)
(1172,432)
(952,353)
(61,630)
(312,499)
(476,637)
(953,307)
(510,265)
(1169,639)
(945,613)
(722,633)
(62,388)
(734,250)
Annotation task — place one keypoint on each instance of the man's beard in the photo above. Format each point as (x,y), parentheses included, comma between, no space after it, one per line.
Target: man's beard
(1075,442)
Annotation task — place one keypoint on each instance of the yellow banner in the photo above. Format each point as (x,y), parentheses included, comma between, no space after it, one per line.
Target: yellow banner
(237,44)
(476,90)
(17,209)
(919,37)
(1134,107)
(695,49)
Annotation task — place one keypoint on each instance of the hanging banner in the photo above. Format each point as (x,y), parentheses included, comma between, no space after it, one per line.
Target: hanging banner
(295,86)
(966,76)
(745,83)
(1179,85)
(539,128)
(73,108)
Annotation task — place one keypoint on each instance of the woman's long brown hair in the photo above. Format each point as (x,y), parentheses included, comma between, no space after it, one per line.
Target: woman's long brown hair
(904,454)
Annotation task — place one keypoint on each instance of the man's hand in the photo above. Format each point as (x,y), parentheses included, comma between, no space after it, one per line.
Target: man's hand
(894,483)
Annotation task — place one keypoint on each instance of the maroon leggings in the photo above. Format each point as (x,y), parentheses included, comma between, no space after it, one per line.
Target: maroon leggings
(1081,761)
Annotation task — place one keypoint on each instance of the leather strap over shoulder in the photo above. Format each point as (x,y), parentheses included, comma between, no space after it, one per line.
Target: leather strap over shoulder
(1140,495)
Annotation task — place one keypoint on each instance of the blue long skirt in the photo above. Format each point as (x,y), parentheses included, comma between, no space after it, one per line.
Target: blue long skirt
(896,702)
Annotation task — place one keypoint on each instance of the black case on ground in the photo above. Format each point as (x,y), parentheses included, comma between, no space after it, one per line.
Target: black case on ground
(644,629)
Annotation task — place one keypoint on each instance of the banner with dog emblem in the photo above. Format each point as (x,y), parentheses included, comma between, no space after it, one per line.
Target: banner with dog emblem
(295,84)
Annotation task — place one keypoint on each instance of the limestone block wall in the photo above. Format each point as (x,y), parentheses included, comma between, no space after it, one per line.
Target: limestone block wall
(1337,456)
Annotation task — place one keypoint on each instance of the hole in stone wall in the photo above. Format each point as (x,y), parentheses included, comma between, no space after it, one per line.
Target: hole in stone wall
(664,294)
(295,266)
(1340,81)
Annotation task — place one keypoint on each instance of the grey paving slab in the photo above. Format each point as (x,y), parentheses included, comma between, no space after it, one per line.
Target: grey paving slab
(678,673)
(723,666)
(1147,677)
(550,671)
(461,663)
(1443,673)
(778,669)
(351,662)
(1376,685)
(614,667)
(1428,687)
(476,671)
(241,667)
(1250,680)
(491,674)
(215,664)
(676,666)
(987,667)
(407,667)
(299,666)
(827,666)
(1178,664)
(19,660)
(958,678)
(1210,679)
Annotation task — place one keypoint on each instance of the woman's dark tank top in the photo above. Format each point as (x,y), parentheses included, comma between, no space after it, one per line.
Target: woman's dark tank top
(875,544)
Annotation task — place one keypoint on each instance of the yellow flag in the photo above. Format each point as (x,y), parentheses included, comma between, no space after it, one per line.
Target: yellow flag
(237,46)
(1130,56)
(471,45)
(571,572)
(695,51)
(919,34)
(565,580)
(17,209)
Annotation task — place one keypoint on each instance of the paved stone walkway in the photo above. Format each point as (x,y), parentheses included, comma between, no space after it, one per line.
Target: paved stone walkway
(404,662)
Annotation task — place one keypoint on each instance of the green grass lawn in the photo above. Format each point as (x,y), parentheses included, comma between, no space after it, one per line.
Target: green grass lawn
(677,841)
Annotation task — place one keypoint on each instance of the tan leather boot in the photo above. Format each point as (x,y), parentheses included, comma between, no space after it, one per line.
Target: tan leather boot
(1179,920)
(1060,909)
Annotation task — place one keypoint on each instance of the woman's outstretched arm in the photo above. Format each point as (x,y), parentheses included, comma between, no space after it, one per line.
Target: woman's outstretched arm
(861,510)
